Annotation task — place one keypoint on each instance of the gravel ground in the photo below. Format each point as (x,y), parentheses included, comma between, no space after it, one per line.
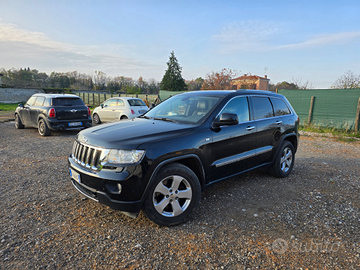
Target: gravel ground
(309,220)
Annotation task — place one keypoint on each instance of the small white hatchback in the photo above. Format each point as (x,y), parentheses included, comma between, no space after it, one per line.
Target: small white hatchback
(118,108)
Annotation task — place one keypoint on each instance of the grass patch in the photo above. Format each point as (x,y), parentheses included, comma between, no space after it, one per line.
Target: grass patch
(8,107)
(340,134)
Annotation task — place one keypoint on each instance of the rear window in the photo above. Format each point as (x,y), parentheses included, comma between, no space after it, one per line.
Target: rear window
(280,107)
(67,101)
(136,102)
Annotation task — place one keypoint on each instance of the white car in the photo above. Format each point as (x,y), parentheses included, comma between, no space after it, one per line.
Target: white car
(119,108)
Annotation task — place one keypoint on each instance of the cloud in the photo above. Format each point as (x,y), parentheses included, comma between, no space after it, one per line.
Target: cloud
(22,46)
(320,40)
(249,35)
(256,36)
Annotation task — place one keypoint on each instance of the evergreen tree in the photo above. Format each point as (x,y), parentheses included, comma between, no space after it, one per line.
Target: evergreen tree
(172,80)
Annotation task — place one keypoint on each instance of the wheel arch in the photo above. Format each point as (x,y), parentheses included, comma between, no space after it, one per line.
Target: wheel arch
(293,139)
(191,161)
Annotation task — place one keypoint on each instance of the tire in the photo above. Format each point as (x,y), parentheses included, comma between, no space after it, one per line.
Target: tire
(172,196)
(96,119)
(284,161)
(18,123)
(124,117)
(43,128)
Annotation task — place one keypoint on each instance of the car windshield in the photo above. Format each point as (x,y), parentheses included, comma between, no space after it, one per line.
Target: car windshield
(67,101)
(184,108)
(136,102)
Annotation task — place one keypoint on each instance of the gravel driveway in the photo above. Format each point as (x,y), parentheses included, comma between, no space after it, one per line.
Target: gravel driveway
(308,220)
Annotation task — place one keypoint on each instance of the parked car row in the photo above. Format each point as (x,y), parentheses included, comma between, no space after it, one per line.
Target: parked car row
(58,112)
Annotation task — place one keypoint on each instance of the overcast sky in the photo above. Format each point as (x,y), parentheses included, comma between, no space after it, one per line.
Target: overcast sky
(289,40)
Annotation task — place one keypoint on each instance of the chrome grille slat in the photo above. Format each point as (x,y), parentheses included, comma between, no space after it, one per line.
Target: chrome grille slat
(86,155)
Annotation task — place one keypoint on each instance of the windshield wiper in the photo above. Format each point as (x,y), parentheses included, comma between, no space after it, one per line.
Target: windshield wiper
(144,116)
(164,119)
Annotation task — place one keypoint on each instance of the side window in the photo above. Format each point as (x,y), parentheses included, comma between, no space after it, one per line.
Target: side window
(110,103)
(47,102)
(262,107)
(121,102)
(240,107)
(31,101)
(39,101)
(280,107)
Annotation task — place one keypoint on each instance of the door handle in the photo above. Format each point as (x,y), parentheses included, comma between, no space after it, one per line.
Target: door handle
(278,122)
(250,128)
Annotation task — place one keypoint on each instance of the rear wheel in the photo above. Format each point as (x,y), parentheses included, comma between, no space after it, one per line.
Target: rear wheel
(173,195)
(284,161)
(43,128)
(123,117)
(96,119)
(18,123)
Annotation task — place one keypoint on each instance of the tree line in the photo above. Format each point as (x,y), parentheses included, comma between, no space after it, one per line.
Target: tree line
(171,81)
(32,78)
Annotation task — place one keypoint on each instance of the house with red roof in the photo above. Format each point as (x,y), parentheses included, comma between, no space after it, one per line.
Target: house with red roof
(248,81)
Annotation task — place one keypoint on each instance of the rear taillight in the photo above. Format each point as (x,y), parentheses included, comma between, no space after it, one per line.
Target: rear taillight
(132,111)
(52,113)
(89,112)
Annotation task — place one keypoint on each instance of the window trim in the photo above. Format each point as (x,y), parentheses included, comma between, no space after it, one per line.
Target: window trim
(249,108)
(269,97)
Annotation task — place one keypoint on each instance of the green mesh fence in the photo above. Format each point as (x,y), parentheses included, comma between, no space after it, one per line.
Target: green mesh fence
(332,107)
(163,94)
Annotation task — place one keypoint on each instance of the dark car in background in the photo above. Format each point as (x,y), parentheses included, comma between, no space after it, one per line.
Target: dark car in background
(48,112)
(161,161)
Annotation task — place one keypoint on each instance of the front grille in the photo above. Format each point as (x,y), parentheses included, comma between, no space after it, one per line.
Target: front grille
(87,156)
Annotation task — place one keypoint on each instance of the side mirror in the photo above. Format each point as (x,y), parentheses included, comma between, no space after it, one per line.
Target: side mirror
(102,106)
(21,105)
(226,119)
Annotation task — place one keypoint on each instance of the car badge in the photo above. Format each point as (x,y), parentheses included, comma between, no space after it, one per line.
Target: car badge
(73,111)
(85,139)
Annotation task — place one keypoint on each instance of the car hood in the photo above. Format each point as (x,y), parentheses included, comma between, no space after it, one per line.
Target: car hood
(130,134)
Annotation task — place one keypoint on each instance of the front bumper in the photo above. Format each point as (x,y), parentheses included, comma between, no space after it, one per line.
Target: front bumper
(131,209)
(104,188)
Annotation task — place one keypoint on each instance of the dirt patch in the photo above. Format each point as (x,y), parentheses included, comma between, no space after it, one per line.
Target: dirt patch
(255,221)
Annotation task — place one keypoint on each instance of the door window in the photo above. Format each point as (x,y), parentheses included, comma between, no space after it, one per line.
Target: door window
(110,103)
(262,107)
(240,107)
(31,101)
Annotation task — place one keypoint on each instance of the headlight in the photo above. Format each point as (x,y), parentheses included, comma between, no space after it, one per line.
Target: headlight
(116,156)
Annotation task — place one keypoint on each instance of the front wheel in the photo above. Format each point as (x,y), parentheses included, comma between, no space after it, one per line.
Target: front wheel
(43,128)
(18,123)
(173,195)
(284,161)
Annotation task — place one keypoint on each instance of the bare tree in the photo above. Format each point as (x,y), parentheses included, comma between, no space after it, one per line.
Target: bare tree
(303,85)
(347,81)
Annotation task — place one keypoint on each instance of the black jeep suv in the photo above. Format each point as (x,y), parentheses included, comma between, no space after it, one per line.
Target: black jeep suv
(161,161)
(49,112)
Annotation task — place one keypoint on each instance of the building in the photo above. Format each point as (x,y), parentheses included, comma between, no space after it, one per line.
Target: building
(250,82)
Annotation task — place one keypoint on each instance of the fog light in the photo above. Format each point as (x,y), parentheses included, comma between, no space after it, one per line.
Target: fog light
(113,188)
